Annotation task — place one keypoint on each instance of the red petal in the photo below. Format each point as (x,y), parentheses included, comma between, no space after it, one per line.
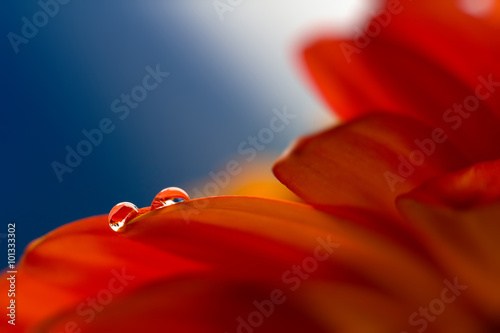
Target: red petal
(475,186)
(457,216)
(208,272)
(357,166)
(418,65)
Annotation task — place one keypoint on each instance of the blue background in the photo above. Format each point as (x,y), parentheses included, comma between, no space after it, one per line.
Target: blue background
(64,80)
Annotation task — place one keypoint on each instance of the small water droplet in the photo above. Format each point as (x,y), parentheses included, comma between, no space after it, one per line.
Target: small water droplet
(169,196)
(121,214)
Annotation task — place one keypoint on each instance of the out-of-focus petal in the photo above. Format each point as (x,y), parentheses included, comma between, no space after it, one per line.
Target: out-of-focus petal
(418,64)
(458,217)
(472,187)
(366,163)
(178,256)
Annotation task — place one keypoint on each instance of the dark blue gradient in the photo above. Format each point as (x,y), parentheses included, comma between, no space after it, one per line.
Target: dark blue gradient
(64,80)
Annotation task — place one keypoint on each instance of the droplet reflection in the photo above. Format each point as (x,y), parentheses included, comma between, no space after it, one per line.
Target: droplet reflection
(121,214)
(169,196)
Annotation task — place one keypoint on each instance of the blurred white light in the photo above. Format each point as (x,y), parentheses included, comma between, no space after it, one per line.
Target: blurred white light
(478,8)
(268,36)
(290,21)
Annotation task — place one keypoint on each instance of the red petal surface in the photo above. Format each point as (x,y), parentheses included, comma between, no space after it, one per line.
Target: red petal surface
(199,265)
(365,164)
(458,217)
(439,66)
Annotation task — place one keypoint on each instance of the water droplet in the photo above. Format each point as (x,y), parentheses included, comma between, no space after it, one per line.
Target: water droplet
(121,214)
(169,196)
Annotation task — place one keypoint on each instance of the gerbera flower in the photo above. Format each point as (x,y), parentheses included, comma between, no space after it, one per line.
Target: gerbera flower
(399,232)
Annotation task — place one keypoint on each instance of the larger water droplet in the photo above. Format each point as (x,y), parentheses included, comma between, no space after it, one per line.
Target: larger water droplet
(169,196)
(121,214)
